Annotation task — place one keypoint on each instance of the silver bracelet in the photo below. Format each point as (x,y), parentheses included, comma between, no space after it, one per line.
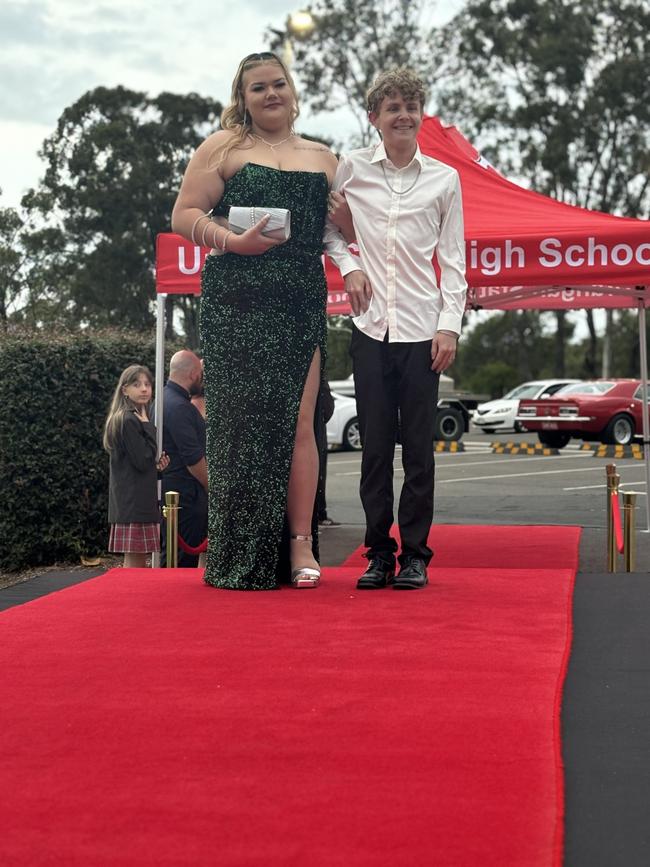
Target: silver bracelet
(200,217)
(203,241)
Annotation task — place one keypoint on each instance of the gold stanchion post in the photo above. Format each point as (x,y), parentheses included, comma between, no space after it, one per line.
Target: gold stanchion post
(613,479)
(170,511)
(629,531)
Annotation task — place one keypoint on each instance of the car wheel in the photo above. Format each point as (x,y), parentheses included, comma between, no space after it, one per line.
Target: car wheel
(554,439)
(519,427)
(351,436)
(450,424)
(619,431)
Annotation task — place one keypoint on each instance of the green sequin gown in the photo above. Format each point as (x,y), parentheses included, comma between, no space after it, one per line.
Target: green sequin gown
(262,318)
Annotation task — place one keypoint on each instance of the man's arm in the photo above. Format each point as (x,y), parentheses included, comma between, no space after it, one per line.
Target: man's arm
(341,215)
(186,426)
(451,257)
(357,284)
(334,242)
(200,472)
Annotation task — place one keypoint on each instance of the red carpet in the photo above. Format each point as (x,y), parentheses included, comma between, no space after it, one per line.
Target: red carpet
(497,547)
(150,720)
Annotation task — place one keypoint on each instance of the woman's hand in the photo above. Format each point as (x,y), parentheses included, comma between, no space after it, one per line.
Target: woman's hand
(252,242)
(163,462)
(340,214)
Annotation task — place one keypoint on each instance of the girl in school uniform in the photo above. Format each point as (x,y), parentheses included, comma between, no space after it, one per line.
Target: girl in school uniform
(130,440)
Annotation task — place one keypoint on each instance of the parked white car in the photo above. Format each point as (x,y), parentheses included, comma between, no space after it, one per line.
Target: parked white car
(501,414)
(343,427)
(346,386)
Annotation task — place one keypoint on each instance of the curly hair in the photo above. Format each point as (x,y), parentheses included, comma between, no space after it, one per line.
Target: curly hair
(401,80)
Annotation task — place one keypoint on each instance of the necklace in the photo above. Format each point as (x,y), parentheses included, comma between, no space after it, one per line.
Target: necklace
(270,144)
(400,192)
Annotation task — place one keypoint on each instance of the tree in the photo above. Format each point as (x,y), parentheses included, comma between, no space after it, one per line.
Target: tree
(559,91)
(352,41)
(11,263)
(556,93)
(113,167)
(504,350)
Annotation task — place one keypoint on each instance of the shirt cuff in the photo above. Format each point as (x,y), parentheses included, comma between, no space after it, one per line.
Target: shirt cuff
(450,322)
(348,263)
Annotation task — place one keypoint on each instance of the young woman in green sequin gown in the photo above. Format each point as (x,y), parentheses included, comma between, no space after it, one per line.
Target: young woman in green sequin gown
(263,329)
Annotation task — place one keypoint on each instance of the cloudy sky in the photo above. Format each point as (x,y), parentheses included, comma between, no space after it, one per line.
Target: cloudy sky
(53,51)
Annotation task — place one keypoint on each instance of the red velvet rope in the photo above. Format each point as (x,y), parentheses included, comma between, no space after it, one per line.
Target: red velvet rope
(616,514)
(188,549)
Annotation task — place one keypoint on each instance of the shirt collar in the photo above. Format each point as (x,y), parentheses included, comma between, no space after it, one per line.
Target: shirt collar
(380,154)
(178,388)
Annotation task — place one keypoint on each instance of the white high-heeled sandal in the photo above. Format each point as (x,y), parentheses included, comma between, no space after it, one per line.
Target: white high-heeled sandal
(304,576)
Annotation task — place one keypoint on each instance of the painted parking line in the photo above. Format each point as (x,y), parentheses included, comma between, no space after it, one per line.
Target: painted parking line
(518,475)
(496,459)
(510,459)
(604,485)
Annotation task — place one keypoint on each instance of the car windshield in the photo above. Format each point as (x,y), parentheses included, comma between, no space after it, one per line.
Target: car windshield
(528,389)
(586,388)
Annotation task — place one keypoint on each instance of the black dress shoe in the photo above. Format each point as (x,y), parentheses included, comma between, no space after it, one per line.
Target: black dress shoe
(379,573)
(412,575)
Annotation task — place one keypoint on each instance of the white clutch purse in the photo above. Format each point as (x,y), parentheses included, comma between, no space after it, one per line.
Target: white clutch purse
(278,226)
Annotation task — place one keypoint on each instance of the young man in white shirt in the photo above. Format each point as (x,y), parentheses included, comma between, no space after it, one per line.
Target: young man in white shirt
(403,206)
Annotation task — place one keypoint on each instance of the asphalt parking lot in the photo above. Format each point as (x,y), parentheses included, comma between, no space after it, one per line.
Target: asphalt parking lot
(479,487)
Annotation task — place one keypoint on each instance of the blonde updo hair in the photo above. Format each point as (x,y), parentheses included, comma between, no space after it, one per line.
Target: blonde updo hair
(235,117)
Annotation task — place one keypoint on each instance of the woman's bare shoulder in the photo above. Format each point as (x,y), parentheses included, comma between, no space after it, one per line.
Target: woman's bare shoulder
(217,139)
(318,154)
(307,144)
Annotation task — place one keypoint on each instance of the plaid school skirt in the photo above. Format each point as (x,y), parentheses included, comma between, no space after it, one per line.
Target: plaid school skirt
(134,538)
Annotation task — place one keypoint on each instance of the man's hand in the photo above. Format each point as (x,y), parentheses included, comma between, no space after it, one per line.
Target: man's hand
(359,291)
(443,350)
(341,216)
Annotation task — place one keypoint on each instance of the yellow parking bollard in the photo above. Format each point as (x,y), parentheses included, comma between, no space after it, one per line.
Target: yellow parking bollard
(170,511)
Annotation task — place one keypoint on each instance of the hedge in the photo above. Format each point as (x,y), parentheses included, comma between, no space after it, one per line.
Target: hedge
(54,394)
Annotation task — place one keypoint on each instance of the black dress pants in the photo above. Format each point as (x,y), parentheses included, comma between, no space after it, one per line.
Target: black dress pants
(321,443)
(396,388)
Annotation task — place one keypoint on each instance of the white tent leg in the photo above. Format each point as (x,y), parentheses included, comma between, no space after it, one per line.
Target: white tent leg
(160,382)
(646,424)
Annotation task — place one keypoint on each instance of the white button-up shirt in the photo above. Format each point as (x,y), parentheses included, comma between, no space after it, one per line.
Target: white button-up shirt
(401,216)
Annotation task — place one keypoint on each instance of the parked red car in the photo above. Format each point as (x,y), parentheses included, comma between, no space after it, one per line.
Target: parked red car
(604,410)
